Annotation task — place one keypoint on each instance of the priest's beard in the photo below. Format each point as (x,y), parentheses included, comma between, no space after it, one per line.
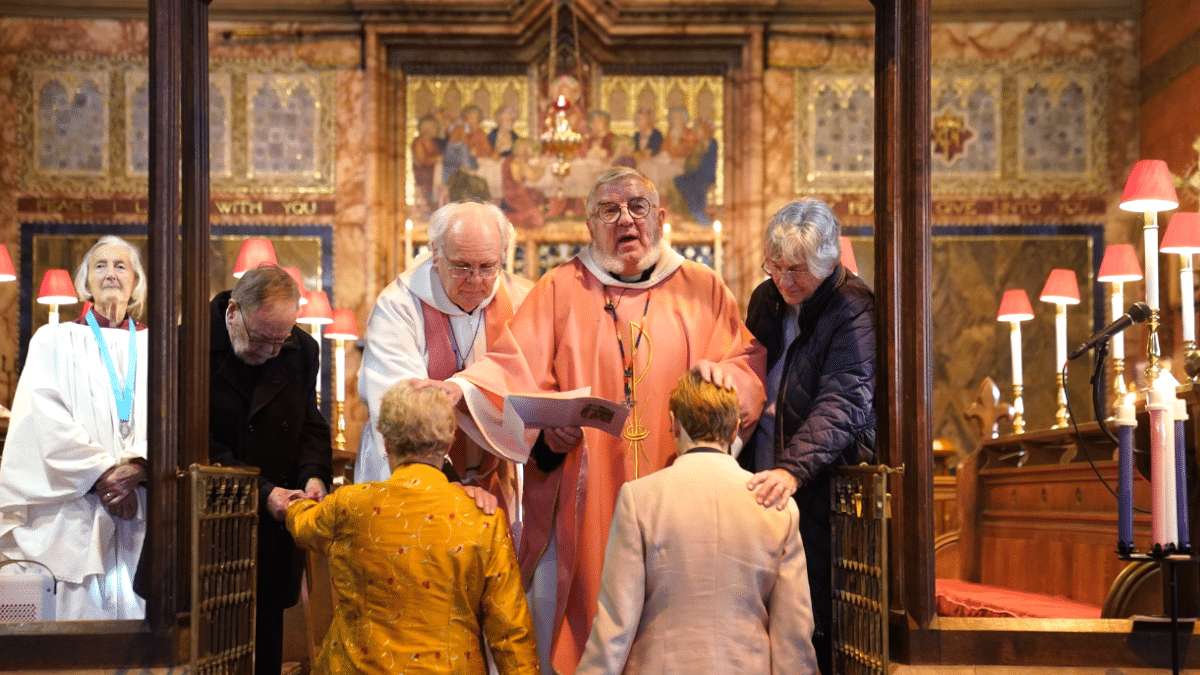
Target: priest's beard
(616,267)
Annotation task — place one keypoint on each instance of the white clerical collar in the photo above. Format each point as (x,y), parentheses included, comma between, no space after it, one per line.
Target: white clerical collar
(668,261)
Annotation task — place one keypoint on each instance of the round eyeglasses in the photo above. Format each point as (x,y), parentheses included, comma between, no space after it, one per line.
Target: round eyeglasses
(485,272)
(610,212)
(779,274)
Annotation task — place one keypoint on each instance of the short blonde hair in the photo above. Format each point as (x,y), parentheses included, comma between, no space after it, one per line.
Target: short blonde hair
(416,423)
(704,410)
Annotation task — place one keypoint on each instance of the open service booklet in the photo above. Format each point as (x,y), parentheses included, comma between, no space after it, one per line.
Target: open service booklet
(573,408)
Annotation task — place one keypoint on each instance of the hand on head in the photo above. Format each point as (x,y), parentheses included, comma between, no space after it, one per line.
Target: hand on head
(711,372)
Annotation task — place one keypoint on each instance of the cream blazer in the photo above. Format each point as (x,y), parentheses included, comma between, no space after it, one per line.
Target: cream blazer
(698,578)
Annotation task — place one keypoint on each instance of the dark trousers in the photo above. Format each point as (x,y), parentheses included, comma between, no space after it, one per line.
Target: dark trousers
(268,639)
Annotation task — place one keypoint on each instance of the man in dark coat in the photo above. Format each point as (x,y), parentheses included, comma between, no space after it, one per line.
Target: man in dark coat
(263,412)
(817,321)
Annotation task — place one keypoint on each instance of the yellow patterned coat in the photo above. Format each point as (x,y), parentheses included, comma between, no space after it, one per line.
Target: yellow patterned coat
(422,577)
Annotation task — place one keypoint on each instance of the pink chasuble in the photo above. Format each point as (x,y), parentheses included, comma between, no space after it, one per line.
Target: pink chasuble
(562,338)
(496,476)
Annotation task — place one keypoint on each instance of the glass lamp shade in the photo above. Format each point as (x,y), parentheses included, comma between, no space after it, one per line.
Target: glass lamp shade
(294,273)
(344,327)
(1014,306)
(57,289)
(1183,234)
(254,252)
(317,311)
(1149,188)
(1061,288)
(7,273)
(1120,264)
(848,260)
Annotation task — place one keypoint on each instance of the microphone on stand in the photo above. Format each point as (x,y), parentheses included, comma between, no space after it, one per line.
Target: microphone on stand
(1138,313)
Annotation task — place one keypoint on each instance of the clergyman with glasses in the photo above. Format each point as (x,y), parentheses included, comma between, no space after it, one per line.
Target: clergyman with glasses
(626,317)
(438,316)
(817,321)
(263,412)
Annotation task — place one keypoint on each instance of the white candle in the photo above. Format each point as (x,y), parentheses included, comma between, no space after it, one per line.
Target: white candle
(718,247)
(1150,237)
(1163,517)
(1187,299)
(512,257)
(340,370)
(666,233)
(1060,336)
(1117,343)
(408,246)
(1014,338)
(53,315)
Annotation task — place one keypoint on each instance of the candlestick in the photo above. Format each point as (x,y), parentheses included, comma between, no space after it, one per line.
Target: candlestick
(1127,424)
(1150,239)
(1061,289)
(718,247)
(1179,414)
(408,244)
(1018,420)
(1014,308)
(1163,514)
(512,257)
(666,234)
(53,315)
(339,346)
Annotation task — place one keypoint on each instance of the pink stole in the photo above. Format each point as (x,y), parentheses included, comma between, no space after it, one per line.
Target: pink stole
(465,453)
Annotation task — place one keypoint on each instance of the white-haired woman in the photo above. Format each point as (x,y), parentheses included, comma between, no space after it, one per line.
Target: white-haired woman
(71,480)
(817,321)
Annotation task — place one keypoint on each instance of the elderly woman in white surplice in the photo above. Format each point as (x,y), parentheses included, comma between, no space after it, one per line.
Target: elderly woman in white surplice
(72,473)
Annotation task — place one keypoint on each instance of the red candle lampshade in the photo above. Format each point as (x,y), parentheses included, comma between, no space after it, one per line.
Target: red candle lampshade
(254,253)
(57,289)
(848,260)
(1149,188)
(294,272)
(1014,306)
(344,327)
(1061,288)
(317,311)
(1183,234)
(1120,264)
(7,273)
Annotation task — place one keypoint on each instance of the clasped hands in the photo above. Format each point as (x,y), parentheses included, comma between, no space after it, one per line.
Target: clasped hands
(115,488)
(280,498)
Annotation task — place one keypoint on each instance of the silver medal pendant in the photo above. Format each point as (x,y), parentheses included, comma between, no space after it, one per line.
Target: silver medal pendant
(126,429)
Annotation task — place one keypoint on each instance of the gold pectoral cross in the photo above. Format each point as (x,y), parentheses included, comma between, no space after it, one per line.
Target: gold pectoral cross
(635,432)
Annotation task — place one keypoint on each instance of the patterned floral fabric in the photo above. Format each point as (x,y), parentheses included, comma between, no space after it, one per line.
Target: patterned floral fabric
(420,575)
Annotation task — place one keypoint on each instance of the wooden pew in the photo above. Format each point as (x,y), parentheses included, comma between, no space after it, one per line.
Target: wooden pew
(1035,517)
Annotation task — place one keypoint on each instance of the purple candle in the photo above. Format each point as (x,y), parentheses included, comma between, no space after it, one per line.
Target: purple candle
(1185,539)
(1127,424)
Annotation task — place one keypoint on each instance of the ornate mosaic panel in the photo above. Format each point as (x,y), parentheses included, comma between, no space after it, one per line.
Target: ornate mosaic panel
(220,118)
(137,121)
(66,115)
(1057,111)
(837,134)
(966,134)
(84,126)
(1003,127)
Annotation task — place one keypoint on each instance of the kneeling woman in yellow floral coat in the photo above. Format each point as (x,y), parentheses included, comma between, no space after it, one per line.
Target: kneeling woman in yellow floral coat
(422,576)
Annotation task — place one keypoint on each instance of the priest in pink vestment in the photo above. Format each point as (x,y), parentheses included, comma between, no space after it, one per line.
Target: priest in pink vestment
(625,319)
(435,318)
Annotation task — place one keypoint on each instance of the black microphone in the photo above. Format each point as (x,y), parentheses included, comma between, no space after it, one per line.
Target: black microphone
(1138,313)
